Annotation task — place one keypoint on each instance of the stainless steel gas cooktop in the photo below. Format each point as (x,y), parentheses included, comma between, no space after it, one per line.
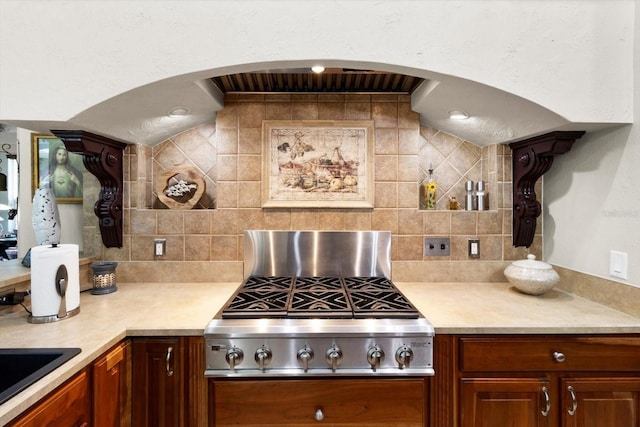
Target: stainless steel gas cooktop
(315,297)
(318,303)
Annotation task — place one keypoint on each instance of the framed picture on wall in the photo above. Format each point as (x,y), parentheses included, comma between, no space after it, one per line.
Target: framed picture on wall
(55,167)
(317,163)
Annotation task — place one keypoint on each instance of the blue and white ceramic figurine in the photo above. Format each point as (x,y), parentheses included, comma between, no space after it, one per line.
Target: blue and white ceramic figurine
(46,219)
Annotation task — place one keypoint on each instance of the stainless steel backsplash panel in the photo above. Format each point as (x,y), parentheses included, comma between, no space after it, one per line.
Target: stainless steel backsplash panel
(317,253)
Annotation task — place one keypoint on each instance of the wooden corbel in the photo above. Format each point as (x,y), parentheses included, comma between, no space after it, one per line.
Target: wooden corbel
(103,158)
(531,158)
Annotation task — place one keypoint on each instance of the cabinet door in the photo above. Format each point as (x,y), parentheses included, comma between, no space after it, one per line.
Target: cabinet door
(68,406)
(335,402)
(597,402)
(110,389)
(505,402)
(157,382)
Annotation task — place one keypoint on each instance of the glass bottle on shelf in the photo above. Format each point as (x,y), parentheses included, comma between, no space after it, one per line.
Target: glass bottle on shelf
(430,191)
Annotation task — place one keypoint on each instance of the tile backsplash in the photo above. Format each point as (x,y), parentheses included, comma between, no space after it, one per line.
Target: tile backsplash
(206,244)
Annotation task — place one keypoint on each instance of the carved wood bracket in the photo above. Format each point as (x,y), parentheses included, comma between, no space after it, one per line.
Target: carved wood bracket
(531,158)
(103,158)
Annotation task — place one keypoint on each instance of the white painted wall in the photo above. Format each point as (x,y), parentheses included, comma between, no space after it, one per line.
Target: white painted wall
(62,57)
(592,197)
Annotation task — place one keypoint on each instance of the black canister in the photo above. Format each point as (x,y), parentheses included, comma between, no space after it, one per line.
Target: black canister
(104,277)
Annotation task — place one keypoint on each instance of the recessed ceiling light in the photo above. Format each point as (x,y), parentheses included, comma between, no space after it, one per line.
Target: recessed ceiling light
(317,69)
(458,115)
(178,112)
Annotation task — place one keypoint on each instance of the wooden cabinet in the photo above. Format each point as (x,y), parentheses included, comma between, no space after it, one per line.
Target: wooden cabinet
(158,382)
(169,386)
(595,402)
(69,406)
(335,402)
(98,396)
(141,382)
(505,402)
(480,381)
(111,388)
(547,381)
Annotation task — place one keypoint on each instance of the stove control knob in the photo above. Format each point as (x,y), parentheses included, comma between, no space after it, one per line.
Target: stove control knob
(375,356)
(263,357)
(334,357)
(305,355)
(403,357)
(234,357)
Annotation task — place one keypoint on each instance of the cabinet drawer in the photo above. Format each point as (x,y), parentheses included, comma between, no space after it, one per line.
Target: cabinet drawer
(370,402)
(67,406)
(549,354)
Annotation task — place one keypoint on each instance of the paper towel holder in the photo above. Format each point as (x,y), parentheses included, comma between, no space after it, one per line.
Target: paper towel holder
(61,281)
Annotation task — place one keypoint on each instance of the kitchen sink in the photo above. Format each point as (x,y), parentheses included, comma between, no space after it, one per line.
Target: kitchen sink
(21,367)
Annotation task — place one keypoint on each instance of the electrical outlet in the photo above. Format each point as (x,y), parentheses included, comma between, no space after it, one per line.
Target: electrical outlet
(159,247)
(437,246)
(618,264)
(474,248)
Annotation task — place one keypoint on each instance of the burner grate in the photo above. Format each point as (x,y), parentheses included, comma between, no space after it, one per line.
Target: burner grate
(377,297)
(318,284)
(368,284)
(320,304)
(267,283)
(381,304)
(260,296)
(319,297)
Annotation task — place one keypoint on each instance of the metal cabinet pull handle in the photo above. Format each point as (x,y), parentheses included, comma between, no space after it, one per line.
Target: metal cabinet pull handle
(168,367)
(547,402)
(559,356)
(319,415)
(574,401)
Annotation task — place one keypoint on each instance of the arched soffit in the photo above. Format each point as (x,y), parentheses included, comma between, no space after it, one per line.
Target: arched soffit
(141,114)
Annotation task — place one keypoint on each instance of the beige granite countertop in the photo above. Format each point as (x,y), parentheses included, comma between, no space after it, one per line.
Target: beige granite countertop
(185,308)
(498,308)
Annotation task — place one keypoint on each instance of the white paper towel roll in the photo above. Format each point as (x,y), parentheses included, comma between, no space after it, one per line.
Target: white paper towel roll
(45,260)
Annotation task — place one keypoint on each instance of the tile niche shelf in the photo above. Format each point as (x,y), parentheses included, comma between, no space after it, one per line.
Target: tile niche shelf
(452,161)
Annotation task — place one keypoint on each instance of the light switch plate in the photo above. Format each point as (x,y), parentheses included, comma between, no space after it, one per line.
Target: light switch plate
(618,264)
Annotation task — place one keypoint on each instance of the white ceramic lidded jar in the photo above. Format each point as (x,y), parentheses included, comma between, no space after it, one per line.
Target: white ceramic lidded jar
(530,276)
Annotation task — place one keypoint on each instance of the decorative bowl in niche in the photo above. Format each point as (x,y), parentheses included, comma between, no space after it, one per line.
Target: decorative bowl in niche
(531,277)
(180,187)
